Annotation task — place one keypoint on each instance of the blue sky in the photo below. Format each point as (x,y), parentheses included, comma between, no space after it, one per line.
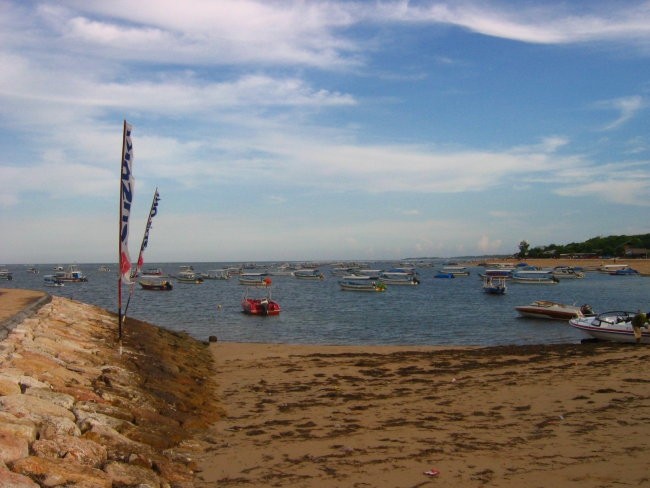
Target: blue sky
(322,130)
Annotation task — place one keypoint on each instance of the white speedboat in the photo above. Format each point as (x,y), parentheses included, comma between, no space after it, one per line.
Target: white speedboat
(545,309)
(613,326)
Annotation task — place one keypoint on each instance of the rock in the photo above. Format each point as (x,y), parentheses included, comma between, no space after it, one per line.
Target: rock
(12,448)
(57,472)
(60,399)
(52,427)
(84,407)
(18,427)
(212,338)
(8,386)
(131,475)
(73,449)
(33,408)
(15,480)
(118,446)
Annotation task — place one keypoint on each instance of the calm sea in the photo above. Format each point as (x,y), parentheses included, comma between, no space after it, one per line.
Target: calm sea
(437,312)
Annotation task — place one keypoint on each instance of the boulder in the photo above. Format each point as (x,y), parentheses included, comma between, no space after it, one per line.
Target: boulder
(15,480)
(72,449)
(12,448)
(58,472)
(131,475)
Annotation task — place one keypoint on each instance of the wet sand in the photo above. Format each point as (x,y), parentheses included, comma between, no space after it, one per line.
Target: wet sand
(540,416)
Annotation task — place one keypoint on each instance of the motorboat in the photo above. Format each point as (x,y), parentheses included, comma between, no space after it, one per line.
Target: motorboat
(254,279)
(308,274)
(494,285)
(624,272)
(563,272)
(546,309)
(613,326)
(5,274)
(51,280)
(216,274)
(444,275)
(153,272)
(394,277)
(361,283)
(497,272)
(187,276)
(609,268)
(73,274)
(536,276)
(103,268)
(260,306)
(155,284)
(455,270)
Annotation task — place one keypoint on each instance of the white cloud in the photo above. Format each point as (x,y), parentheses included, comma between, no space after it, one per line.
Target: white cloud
(627,108)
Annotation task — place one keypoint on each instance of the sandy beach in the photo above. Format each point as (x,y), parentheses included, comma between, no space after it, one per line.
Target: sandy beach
(300,416)
(180,413)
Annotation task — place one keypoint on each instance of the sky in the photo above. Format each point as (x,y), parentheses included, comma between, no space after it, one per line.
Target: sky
(321,130)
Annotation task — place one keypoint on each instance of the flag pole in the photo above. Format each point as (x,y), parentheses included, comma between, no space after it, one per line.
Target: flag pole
(145,241)
(119,243)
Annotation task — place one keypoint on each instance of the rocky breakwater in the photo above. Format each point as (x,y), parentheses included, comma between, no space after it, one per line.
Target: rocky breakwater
(77,410)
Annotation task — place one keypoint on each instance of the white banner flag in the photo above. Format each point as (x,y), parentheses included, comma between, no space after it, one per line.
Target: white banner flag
(126,199)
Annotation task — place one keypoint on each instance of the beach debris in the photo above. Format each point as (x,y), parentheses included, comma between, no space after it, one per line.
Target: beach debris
(433,472)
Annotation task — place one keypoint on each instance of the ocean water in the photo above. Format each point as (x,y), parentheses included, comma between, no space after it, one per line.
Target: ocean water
(436,312)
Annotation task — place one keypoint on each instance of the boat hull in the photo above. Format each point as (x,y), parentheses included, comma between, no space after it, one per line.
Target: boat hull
(255,306)
(366,287)
(543,309)
(612,327)
(156,286)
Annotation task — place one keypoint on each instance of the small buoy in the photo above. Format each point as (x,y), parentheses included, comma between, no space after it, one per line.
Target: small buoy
(219,307)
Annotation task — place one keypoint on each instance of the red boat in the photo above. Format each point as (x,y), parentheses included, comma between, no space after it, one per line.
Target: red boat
(260,306)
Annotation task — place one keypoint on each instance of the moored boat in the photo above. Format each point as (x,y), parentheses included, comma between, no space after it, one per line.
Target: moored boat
(188,277)
(394,277)
(5,274)
(455,270)
(361,283)
(73,275)
(536,277)
(444,275)
(254,279)
(155,284)
(308,274)
(624,272)
(260,306)
(216,274)
(546,309)
(51,280)
(494,285)
(564,272)
(615,326)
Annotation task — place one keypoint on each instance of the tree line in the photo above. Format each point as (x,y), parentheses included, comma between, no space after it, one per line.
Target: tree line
(602,247)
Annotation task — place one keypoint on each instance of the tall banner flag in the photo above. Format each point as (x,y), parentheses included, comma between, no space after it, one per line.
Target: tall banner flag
(126,199)
(145,239)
